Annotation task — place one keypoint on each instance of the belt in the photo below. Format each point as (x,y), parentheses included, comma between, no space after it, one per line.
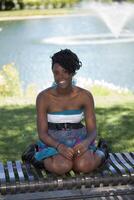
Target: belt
(64,126)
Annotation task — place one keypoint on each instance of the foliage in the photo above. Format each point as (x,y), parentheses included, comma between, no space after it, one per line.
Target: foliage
(31,91)
(11,4)
(35,4)
(7,4)
(49,3)
(10,81)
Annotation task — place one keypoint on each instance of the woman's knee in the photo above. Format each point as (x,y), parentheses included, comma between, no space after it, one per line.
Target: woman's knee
(85,164)
(61,165)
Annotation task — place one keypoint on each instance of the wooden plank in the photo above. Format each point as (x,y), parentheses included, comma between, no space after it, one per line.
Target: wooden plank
(129,157)
(123,161)
(115,162)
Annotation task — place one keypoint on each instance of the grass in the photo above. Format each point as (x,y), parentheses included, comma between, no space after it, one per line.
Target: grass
(20,14)
(17,130)
(114,115)
(116,125)
(45,12)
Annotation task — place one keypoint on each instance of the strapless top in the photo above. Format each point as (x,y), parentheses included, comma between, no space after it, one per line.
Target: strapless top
(66,116)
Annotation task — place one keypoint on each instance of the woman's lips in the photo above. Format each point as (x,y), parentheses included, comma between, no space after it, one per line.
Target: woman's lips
(62,83)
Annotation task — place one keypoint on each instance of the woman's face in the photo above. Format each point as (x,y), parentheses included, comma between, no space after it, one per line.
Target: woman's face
(61,76)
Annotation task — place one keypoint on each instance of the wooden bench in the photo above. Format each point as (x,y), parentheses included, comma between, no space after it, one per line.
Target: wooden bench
(20,181)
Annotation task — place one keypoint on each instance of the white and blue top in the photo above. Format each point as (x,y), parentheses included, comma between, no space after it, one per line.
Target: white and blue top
(66,116)
(69,137)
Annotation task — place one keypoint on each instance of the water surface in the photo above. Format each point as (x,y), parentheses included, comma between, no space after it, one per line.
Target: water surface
(25,42)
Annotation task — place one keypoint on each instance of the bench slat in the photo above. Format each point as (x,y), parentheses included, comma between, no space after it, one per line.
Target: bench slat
(19,171)
(115,162)
(29,172)
(132,154)
(112,169)
(2,173)
(129,157)
(38,174)
(123,161)
(10,171)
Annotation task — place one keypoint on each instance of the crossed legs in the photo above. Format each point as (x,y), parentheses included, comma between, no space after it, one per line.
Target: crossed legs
(86,163)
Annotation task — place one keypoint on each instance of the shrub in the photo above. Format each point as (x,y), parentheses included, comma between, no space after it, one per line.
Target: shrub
(31,91)
(10,81)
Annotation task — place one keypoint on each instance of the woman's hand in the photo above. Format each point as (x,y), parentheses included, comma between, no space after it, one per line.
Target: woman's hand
(80,149)
(67,152)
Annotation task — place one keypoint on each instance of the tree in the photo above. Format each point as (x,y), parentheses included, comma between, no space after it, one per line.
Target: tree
(6,4)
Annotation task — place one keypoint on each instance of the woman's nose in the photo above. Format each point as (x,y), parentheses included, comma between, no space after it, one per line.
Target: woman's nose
(62,76)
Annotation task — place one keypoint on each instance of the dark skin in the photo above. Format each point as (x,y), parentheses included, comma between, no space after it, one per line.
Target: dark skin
(66,97)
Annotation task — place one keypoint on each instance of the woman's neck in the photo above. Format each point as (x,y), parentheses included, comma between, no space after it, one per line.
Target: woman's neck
(64,91)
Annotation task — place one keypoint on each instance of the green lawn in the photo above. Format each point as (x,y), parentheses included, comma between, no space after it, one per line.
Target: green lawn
(115,122)
(40,13)
(23,13)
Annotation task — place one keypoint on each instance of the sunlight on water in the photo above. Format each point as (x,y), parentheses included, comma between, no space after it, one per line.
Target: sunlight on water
(90,39)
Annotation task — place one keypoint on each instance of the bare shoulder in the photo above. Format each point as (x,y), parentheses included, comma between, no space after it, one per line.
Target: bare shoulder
(85,94)
(44,95)
(87,99)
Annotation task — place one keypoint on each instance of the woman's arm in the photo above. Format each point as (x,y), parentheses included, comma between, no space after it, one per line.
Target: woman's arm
(90,121)
(42,124)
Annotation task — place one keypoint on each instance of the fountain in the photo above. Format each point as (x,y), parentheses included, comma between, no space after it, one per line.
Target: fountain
(114,15)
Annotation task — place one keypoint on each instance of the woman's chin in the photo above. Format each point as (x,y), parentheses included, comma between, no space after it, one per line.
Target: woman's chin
(62,86)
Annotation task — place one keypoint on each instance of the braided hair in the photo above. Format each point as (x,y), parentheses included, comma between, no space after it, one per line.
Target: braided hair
(68,60)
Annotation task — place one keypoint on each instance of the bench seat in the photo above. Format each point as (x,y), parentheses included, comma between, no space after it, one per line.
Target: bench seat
(23,181)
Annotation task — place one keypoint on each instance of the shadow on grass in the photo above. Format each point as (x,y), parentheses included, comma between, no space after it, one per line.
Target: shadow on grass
(18,129)
(116,125)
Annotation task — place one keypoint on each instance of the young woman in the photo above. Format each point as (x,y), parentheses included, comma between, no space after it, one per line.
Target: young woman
(65,143)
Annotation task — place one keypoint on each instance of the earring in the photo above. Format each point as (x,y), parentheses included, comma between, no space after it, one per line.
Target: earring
(74,81)
(54,84)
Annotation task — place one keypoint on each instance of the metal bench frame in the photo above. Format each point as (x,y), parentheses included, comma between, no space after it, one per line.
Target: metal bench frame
(23,181)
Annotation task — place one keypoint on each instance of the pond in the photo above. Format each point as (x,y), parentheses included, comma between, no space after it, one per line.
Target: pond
(30,44)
